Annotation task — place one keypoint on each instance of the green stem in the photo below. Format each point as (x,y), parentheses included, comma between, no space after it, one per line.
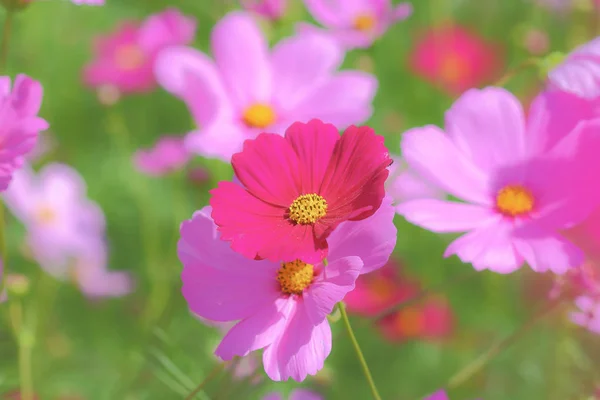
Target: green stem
(216,370)
(6,30)
(359,354)
(480,362)
(24,342)
(532,62)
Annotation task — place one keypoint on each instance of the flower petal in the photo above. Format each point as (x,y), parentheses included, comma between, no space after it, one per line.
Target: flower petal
(301,351)
(431,153)
(167,28)
(372,239)
(303,394)
(259,330)
(445,216)
(326,13)
(241,53)
(547,251)
(580,72)
(27,95)
(337,279)
(220,139)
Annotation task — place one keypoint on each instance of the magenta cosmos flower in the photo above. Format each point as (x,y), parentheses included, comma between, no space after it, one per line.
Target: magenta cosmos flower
(19,123)
(281,307)
(296,394)
(579,73)
(355,23)
(125,58)
(167,155)
(296,189)
(522,182)
(248,90)
(270,9)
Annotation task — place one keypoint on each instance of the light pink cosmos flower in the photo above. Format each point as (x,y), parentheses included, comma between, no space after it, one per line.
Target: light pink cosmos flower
(355,23)
(296,394)
(270,9)
(281,307)
(125,58)
(579,73)
(523,182)
(248,89)
(19,123)
(167,155)
(404,184)
(588,314)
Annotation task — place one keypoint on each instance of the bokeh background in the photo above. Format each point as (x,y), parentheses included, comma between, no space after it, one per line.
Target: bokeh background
(147,345)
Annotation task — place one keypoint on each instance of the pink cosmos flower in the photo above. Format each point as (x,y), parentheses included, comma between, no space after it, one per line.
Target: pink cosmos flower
(125,58)
(522,182)
(579,73)
(404,184)
(248,89)
(270,9)
(89,2)
(588,314)
(455,59)
(19,123)
(355,23)
(281,307)
(439,395)
(295,190)
(167,155)
(296,394)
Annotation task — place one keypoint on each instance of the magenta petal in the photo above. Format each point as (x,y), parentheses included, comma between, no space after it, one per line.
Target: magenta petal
(301,351)
(431,153)
(337,279)
(372,239)
(257,331)
(445,216)
(439,395)
(27,95)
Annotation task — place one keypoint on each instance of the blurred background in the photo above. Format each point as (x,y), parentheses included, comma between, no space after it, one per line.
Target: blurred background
(142,342)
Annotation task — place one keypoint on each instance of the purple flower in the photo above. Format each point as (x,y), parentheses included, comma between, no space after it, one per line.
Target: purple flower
(167,155)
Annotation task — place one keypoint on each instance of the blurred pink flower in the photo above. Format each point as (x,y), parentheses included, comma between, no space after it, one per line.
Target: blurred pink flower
(455,59)
(579,73)
(300,186)
(404,184)
(199,175)
(439,395)
(296,394)
(270,9)
(19,123)
(588,314)
(536,41)
(125,58)
(523,182)
(89,2)
(248,90)
(355,23)
(167,155)
(281,308)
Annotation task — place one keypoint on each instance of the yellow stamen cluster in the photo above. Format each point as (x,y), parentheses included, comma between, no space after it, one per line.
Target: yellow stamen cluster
(364,22)
(308,209)
(295,276)
(259,115)
(45,215)
(514,200)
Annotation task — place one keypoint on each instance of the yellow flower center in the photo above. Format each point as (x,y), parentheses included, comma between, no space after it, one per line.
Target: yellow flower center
(295,276)
(514,200)
(364,22)
(259,115)
(453,68)
(45,215)
(129,57)
(308,209)
(409,322)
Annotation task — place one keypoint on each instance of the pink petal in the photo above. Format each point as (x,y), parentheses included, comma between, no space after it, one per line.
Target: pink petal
(431,153)
(488,126)
(445,216)
(547,251)
(299,63)
(167,28)
(241,53)
(303,394)
(301,351)
(313,143)
(326,13)
(337,279)
(218,283)
(220,139)
(27,95)
(264,328)
(372,239)
(580,72)
(402,11)
(439,395)
(343,99)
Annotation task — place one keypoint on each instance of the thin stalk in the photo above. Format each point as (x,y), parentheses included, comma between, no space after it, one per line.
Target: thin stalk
(215,371)
(532,62)
(24,342)
(359,353)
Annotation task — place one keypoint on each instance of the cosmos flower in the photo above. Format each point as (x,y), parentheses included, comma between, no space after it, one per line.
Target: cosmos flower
(579,73)
(248,89)
(439,395)
(167,155)
(270,9)
(296,394)
(587,314)
(19,123)
(455,59)
(295,190)
(355,23)
(522,183)
(281,307)
(125,58)
(404,184)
